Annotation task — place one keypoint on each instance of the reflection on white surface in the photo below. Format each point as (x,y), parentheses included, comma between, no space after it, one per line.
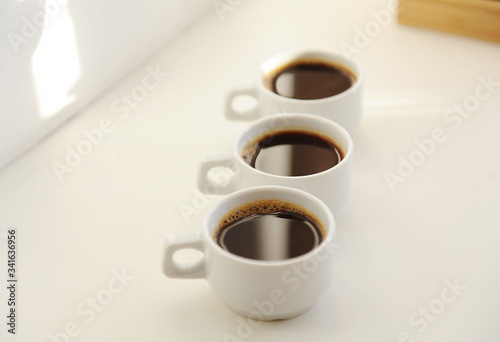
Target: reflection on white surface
(55,64)
(408,100)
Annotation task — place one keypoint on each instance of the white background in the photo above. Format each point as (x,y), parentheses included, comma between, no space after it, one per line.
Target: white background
(396,249)
(50,71)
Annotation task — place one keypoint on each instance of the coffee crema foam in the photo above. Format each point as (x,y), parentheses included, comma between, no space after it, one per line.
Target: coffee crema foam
(263,207)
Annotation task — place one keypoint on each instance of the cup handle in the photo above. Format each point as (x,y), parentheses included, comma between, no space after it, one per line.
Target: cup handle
(174,269)
(209,162)
(235,115)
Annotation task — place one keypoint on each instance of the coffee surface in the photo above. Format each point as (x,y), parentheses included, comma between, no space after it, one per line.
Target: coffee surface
(292,153)
(309,80)
(269,230)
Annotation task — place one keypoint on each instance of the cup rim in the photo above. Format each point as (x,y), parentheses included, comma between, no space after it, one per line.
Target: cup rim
(328,239)
(348,150)
(339,58)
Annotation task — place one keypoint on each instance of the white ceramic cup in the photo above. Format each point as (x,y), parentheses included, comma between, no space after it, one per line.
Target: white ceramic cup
(260,290)
(332,186)
(344,108)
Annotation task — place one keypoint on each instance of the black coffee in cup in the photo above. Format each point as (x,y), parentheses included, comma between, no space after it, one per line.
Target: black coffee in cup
(269,230)
(309,79)
(292,153)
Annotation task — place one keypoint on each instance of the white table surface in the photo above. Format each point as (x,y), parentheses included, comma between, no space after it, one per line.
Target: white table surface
(397,251)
